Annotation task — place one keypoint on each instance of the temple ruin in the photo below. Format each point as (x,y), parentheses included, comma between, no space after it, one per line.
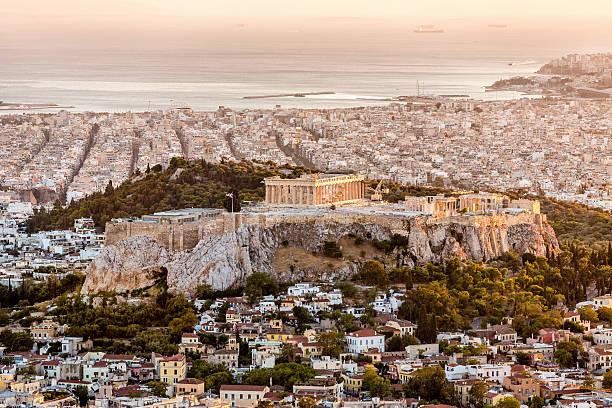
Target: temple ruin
(315,190)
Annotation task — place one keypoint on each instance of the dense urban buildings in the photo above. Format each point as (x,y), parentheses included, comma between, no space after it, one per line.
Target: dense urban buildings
(557,146)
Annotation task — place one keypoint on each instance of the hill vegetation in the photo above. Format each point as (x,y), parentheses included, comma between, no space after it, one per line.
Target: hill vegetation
(182,185)
(200,184)
(577,222)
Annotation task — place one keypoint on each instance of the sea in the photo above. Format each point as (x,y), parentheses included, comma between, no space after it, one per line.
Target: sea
(204,78)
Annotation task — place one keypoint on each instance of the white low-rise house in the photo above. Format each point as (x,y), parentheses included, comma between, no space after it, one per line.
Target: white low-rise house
(455,372)
(302,289)
(326,363)
(72,345)
(363,340)
(602,336)
(335,296)
(491,372)
(355,311)
(602,301)
(268,305)
(404,326)
(97,371)
(462,338)
(264,357)
(426,349)
(51,369)
(381,303)
(599,359)
(395,301)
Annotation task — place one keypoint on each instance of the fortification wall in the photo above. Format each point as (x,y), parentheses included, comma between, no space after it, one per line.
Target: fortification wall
(185,236)
(173,237)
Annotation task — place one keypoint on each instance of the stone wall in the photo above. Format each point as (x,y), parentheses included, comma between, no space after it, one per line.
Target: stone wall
(176,237)
(171,236)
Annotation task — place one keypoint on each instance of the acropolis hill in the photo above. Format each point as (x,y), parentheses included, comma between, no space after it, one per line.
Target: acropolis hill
(285,235)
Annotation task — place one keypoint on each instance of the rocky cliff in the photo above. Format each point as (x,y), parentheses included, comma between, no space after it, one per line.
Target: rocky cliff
(227,259)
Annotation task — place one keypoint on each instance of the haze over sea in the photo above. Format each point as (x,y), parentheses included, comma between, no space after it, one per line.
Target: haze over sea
(205,77)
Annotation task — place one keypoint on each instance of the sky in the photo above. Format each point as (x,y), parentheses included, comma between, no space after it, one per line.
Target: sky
(152,23)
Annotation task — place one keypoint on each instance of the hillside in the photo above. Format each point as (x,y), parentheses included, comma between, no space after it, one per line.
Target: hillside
(573,221)
(200,184)
(182,185)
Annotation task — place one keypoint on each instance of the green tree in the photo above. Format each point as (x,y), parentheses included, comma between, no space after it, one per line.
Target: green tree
(536,402)
(375,384)
(260,284)
(523,358)
(82,393)
(306,402)
(214,381)
(430,384)
(222,313)
(331,249)
(331,343)
(605,314)
(158,388)
(183,324)
(607,380)
(380,387)
(373,273)
(588,314)
(508,402)
(303,317)
(399,343)
(476,394)
(16,341)
(348,289)
(287,355)
(566,353)
(4,318)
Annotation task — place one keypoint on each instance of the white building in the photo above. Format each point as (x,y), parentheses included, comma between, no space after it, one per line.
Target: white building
(302,289)
(364,340)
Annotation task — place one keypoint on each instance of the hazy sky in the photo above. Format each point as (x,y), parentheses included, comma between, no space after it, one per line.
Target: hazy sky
(30,23)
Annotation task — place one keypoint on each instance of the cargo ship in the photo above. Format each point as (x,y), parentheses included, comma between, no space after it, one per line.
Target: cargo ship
(428,29)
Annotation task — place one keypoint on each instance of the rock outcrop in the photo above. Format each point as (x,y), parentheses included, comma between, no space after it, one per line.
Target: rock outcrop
(227,259)
(130,264)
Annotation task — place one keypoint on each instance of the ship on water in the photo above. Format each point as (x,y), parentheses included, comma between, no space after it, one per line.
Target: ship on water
(428,29)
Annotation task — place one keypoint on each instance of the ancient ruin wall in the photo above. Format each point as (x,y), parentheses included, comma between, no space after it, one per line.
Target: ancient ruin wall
(177,237)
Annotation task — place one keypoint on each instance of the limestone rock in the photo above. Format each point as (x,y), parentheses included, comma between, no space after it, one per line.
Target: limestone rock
(228,259)
(133,263)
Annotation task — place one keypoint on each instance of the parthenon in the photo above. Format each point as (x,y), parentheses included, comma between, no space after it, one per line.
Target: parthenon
(315,190)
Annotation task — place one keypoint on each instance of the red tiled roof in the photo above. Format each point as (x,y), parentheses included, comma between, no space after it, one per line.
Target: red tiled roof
(176,357)
(191,381)
(364,333)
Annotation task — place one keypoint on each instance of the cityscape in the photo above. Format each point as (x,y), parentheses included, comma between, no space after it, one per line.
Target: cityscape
(231,204)
(558,147)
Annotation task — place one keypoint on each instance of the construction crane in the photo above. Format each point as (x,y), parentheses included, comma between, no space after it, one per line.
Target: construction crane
(378,191)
